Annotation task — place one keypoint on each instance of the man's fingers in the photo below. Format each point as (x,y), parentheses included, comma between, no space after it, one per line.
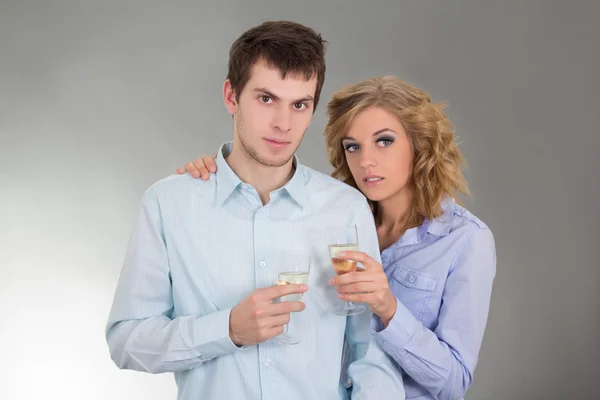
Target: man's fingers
(276,320)
(266,311)
(275,292)
(275,331)
(286,307)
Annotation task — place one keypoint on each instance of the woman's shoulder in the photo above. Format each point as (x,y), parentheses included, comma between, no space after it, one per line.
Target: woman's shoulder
(473,237)
(458,222)
(461,216)
(470,233)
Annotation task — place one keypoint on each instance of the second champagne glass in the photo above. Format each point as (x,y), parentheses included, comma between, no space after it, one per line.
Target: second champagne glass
(343,239)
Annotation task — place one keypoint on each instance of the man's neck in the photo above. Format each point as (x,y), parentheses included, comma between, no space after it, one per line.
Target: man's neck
(263,178)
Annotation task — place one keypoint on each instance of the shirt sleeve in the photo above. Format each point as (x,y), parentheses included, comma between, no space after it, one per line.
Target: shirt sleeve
(443,360)
(372,373)
(140,333)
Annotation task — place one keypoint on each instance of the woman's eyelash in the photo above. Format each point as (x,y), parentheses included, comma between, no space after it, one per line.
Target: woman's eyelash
(353,146)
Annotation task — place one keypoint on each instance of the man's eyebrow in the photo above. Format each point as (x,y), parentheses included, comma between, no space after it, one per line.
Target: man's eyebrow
(307,98)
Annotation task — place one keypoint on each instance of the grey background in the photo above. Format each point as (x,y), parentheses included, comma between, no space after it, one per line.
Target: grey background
(100,99)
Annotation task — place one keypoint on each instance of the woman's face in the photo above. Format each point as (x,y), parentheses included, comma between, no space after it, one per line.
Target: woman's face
(379,154)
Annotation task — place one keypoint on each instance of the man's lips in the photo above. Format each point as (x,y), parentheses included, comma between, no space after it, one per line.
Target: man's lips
(277,143)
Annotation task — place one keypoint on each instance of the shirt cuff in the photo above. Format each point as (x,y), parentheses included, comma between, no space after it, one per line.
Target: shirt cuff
(400,330)
(211,335)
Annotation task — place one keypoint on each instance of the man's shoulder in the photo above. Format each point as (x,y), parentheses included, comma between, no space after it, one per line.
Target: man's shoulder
(175,186)
(320,184)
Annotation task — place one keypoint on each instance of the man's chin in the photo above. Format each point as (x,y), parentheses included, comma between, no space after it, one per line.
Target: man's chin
(276,162)
(277,158)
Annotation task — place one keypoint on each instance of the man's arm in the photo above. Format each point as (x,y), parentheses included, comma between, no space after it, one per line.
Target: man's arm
(140,332)
(373,374)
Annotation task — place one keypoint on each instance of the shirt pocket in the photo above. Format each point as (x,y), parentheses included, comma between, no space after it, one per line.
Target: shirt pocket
(414,289)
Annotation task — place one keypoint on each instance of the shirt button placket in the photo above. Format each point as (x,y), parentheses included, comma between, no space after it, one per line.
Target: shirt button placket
(264,276)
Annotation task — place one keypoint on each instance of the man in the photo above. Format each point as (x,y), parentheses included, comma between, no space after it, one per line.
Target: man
(196,294)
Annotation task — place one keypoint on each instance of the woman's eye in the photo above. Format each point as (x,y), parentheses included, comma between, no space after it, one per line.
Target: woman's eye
(384,142)
(350,148)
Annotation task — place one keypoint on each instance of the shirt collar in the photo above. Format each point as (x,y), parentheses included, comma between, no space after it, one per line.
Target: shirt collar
(228,181)
(439,226)
(296,186)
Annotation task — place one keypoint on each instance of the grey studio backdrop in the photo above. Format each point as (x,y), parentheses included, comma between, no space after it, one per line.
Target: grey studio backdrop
(99,99)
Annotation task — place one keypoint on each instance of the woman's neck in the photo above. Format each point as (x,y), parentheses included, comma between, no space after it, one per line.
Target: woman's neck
(395,216)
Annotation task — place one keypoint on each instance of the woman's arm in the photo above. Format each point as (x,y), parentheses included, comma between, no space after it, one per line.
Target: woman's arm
(443,360)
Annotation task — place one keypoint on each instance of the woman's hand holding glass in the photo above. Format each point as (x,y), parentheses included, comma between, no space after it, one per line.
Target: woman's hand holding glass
(368,286)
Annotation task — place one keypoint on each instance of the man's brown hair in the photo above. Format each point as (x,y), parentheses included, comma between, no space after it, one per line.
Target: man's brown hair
(290,47)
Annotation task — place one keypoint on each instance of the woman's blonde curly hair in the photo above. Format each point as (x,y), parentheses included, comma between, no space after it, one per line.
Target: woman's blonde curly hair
(437,160)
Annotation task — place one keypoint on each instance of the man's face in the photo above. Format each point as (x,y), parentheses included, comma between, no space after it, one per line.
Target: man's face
(272,114)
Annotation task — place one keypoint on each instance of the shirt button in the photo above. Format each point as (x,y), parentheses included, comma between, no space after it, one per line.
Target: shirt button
(262,264)
(267,362)
(412,279)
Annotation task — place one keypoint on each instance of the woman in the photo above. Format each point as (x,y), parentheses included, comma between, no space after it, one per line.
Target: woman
(431,296)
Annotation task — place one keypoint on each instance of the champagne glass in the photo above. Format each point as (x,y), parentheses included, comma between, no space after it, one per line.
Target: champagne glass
(344,239)
(292,269)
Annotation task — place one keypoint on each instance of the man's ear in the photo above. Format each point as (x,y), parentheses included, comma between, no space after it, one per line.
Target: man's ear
(229,97)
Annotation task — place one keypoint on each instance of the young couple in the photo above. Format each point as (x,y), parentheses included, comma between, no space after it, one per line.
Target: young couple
(196,294)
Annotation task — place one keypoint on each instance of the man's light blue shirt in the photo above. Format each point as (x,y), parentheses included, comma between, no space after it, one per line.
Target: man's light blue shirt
(200,247)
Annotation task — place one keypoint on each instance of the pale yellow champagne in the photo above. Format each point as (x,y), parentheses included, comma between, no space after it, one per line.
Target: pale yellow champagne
(342,266)
(286,278)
